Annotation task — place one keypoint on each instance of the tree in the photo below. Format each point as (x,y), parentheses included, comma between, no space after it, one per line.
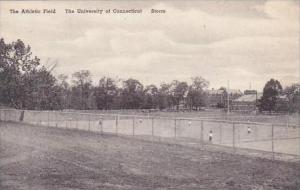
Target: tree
(270,95)
(132,94)
(196,95)
(63,92)
(179,90)
(292,93)
(23,82)
(165,96)
(151,97)
(39,90)
(82,90)
(106,92)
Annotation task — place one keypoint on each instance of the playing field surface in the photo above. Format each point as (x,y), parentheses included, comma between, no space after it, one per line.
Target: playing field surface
(38,158)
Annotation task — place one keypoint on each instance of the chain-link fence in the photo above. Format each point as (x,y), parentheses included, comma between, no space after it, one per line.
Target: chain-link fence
(268,137)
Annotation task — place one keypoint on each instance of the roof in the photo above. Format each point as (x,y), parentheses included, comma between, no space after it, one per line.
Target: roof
(248,98)
(234,91)
(215,92)
(231,91)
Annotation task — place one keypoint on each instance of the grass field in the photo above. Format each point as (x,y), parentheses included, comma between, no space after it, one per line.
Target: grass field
(39,158)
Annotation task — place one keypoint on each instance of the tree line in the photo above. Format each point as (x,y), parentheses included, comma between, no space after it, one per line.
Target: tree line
(26,84)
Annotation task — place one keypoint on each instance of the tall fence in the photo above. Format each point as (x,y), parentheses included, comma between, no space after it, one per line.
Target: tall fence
(283,138)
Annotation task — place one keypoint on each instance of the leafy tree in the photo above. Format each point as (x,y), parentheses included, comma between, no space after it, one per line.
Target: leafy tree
(106,92)
(151,97)
(39,90)
(293,95)
(196,95)
(165,96)
(82,90)
(23,82)
(270,95)
(63,92)
(14,59)
(132,94)
(179,90)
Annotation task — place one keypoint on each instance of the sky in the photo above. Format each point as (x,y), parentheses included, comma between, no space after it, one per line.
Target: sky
(244,42)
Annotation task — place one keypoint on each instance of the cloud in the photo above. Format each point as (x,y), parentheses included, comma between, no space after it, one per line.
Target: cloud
(219,40)
(287,10)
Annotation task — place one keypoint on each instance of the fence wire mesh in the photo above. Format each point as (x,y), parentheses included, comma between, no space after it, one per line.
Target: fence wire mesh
(270,137)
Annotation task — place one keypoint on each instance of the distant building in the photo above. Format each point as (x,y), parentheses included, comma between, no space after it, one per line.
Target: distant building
(246,92)
(246,103)
(215,98)
(219,98)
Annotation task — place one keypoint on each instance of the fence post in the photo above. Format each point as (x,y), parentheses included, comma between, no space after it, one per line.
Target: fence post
(101,125)
(40,119)
(76,122)
(233,136)
(221,133)
(255,133)
(48,118)
(56,121)
(239,138)
(175,128)
(298,127)
(89,122)
(287,126)
(202,128)
(272,136)
(152,126)
(133,123)
(117,123)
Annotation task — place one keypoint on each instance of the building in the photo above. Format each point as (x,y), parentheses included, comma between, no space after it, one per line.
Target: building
(215,98)
(246,103)
(219,98)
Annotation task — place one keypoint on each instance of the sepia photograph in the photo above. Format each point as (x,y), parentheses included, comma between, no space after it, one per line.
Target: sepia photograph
(150,95)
